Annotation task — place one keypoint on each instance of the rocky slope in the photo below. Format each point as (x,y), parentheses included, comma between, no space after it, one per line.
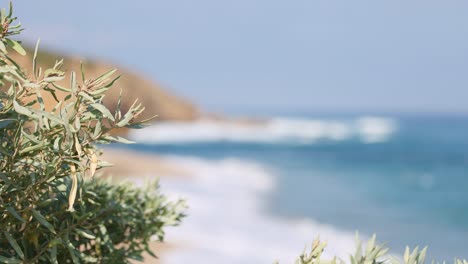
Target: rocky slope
(158,101)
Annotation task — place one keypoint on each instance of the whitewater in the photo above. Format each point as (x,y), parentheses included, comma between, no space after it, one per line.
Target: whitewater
(228,220)
(261,192)
(275,131)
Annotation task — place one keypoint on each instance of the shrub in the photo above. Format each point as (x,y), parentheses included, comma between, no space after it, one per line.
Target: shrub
(53,208)
(373,254)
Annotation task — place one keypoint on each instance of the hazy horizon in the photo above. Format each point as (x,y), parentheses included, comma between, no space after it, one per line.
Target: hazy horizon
(289,56)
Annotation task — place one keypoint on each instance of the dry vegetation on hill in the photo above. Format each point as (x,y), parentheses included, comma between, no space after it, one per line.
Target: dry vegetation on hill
(156,100)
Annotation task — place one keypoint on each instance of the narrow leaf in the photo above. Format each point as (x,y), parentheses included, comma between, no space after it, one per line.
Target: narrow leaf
(101,108)
(93,164)
(34,67)
(85,234)
(73,189)
(39,217)
(73,253)
(106,75)
(16,46)
(14,244)
(22,110)
(2,47)
(13,212)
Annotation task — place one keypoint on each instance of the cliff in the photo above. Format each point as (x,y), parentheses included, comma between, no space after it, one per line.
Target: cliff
(157,100)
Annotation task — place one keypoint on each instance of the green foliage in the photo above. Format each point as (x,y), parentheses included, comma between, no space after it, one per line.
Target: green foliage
(373,254)
(52,208)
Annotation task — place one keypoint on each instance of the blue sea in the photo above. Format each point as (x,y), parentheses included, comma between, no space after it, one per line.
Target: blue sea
(262,192)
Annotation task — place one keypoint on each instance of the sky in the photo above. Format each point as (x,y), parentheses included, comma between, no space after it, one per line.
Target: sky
(294,55)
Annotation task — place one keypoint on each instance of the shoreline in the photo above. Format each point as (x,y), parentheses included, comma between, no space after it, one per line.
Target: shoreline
(228,217)
(135,167)
(129,164)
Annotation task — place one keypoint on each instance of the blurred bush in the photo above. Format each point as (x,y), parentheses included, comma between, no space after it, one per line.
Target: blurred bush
(372,254)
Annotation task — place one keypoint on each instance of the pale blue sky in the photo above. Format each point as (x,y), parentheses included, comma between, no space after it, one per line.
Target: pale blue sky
(374,55)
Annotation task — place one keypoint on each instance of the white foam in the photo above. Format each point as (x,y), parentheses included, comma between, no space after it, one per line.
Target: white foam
(277,130)
(227,222)
(373,129)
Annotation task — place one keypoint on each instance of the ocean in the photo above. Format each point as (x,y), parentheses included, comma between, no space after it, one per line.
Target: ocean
(262,193)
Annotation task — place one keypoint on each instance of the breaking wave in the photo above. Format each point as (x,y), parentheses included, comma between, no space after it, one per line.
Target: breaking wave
(227,222)
(277,130)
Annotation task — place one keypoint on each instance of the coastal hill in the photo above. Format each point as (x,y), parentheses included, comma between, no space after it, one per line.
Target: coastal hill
(157,100)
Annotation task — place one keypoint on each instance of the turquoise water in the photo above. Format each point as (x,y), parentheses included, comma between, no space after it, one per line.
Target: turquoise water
(410,187)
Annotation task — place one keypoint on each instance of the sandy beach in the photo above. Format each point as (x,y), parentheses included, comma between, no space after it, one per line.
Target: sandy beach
(134,166)
(129,164)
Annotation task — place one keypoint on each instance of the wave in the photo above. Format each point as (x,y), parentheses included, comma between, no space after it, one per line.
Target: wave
(227,222)
(277,130)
